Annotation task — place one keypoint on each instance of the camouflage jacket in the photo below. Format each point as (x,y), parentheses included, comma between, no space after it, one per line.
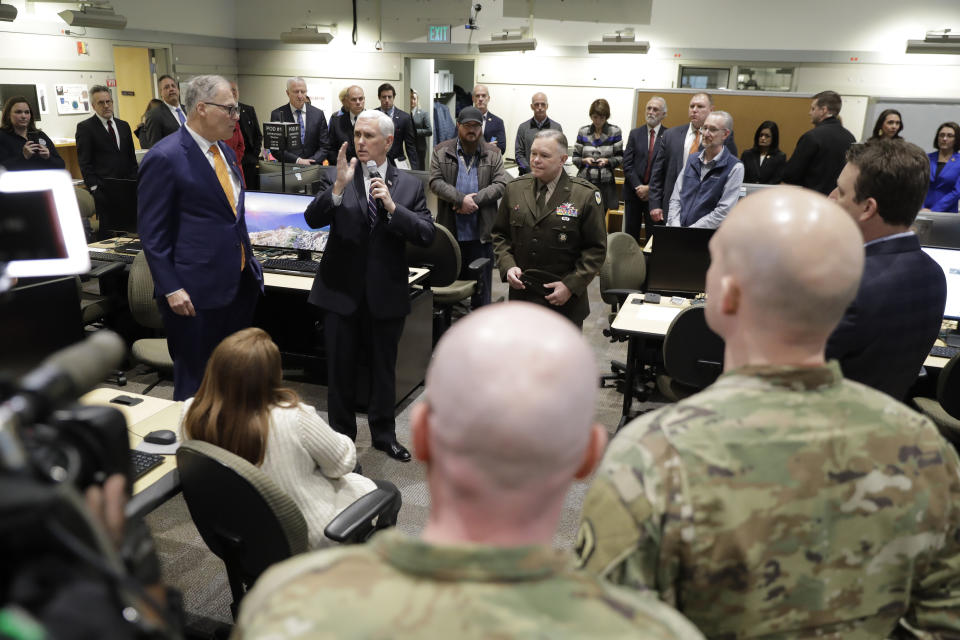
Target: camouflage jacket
(399,587)
(784,503)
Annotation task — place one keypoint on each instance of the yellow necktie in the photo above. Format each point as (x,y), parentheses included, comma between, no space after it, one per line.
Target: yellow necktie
(695,147)
(223,176)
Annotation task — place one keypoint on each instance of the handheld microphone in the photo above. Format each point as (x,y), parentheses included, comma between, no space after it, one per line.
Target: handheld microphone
(374,173)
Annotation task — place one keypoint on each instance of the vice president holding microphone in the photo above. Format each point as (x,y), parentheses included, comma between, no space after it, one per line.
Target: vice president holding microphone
(361,284)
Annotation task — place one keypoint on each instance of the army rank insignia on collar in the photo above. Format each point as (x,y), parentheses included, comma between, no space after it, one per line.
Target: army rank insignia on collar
(567,209)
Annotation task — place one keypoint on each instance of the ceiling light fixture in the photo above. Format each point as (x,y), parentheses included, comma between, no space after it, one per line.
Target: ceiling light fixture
(310,34)
(509,40)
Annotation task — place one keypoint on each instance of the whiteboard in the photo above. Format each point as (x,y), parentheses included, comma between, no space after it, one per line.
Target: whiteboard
(920,117)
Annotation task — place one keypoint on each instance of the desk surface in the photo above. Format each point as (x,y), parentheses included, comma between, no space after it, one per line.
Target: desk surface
(161,482)
(647,319)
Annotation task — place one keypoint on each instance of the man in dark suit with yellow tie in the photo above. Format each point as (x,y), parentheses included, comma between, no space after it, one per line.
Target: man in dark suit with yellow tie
(194,235)
(638,158)
(105,154)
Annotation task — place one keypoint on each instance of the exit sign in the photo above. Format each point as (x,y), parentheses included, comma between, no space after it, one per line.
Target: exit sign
(438,33)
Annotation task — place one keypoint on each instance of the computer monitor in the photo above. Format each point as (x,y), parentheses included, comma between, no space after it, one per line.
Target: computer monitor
(679,261)
(275,220)
(37,318)
(949,261)
(117,206)
(938,229)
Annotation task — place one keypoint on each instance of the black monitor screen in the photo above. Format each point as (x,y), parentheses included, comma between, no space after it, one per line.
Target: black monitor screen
(276,220)
(949,261)
(37,318)
(29,227)
(680,260)
(29,91)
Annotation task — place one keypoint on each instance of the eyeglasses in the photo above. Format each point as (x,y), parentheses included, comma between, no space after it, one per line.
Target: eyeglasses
(231,109)
(706,129)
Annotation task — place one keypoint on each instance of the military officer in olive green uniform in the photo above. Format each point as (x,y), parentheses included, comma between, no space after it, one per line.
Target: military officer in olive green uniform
(551,222)
(499,465)
(783,502)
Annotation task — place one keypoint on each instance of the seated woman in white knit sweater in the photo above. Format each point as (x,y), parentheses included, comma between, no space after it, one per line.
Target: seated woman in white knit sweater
(241,407)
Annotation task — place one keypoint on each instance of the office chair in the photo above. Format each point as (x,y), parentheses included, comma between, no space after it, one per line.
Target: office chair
(152,352)
(692,355)
(250,523)
(88,210)
(442,257)
(623,271)
(945,410)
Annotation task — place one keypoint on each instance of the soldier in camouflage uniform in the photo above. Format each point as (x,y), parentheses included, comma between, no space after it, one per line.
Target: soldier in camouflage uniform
(783,501)
(500,457)
(550,221)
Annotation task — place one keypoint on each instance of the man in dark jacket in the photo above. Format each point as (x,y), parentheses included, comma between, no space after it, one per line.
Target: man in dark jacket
(886,333)
(819,156)
(252,141)
(467,175)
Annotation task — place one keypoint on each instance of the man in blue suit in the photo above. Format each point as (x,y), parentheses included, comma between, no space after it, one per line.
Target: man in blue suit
(493,130)
(676,146)
(888,330)
(638,158)
(194,236)
(361,285)
(313,124)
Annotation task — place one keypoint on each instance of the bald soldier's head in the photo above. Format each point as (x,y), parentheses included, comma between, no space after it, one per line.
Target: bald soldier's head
(785,264)
(506,425)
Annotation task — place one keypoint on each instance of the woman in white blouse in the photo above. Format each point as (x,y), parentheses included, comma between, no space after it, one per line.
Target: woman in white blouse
(242,407)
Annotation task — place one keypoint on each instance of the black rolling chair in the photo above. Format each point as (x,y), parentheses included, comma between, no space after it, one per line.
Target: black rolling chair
(623,271)
(250,523)
(442,257)
(692,355)
(945,409)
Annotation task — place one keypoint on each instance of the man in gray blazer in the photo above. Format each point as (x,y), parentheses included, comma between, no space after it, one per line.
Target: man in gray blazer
(468,177)
(165,119)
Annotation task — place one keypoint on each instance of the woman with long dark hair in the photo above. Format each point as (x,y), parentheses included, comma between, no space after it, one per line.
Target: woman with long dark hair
(764,162)
(22,146)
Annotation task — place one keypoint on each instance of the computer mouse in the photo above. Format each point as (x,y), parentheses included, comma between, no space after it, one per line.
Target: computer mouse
(163,436)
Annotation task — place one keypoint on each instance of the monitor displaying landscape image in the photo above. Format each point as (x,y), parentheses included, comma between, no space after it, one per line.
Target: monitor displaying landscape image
(276,220)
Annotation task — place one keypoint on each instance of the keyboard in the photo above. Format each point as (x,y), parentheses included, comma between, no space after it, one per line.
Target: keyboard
(289,264)
(144,462)
(103,256)
(944,352)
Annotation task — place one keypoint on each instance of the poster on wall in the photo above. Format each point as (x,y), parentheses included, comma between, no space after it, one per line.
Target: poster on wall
(42,99)
(72,98)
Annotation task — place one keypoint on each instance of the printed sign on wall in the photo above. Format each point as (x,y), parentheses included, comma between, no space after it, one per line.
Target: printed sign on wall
(72,98)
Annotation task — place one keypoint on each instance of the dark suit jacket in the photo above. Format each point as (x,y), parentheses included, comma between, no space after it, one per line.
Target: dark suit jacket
(189,233)
(98,155)
(403,135)
(887,331)
(770,172)
(635,160)
(495,132)
(341,130)
(364,266)
(668,164)
(158,124)
(315,139)
(252,134)
(819,157)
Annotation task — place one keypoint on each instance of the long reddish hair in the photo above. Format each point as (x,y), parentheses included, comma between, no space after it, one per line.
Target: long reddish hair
(240,385)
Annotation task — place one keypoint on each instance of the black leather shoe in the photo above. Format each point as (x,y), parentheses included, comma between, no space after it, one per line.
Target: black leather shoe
(395,450)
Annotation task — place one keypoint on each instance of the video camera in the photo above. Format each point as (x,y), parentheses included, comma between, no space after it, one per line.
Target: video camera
(59,568)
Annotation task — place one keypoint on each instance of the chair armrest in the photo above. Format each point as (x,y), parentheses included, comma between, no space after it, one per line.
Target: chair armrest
(478,264)
(105,269)
(620,294)
(358,521)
